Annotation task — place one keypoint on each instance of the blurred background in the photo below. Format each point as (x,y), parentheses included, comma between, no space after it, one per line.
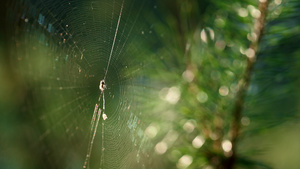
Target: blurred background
(190,84)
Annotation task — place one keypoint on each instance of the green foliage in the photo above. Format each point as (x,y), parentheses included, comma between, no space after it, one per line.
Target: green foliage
(210,39)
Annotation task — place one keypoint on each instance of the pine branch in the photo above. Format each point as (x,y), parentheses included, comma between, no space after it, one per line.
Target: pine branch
(245,81)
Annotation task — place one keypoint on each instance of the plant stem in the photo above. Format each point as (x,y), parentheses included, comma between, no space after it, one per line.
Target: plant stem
(245,81)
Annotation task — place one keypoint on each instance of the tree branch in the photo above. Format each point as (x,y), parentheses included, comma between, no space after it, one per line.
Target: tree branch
(245,81)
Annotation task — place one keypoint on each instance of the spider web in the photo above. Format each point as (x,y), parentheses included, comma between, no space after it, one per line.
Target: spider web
(63,51)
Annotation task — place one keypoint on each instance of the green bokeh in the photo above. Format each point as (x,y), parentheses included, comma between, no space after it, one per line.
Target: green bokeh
(173,76)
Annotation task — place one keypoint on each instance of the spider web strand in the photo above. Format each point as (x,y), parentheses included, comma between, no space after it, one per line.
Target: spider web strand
(112,47)
(86,163)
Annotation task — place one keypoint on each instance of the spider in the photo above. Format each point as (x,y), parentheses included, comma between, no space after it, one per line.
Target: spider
(102,87)
(94,126)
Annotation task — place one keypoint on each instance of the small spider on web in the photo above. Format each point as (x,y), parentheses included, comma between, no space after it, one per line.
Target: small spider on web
(102,87)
